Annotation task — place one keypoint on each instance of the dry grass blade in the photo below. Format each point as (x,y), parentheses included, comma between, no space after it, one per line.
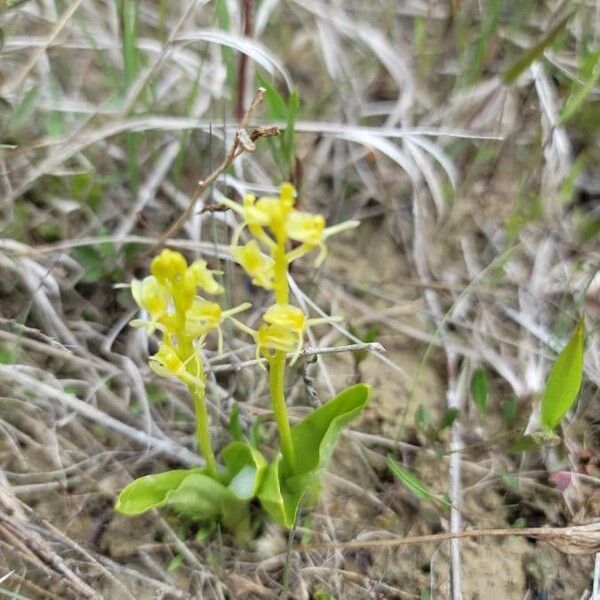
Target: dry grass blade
(577,539)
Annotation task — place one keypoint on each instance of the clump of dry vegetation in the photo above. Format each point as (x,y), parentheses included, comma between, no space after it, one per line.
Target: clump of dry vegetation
(463,138)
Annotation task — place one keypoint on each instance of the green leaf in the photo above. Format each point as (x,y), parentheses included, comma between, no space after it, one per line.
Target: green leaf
(323,595)
(150,491)
(92,262)
(277,108)
(175,563)
(315,437)
(200,497)
(234,423)
(532,54)
(314,440)
(564,380)
(288,135)
(480,389)
(422,418)
(577,98)
(280,505)
(413,483)
(7,356)
(450,415)
(511,481)
(205,532)
(368,337)
(524,443)
(509,409)
(246,467)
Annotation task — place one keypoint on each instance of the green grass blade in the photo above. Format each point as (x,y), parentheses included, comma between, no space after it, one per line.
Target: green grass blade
(577,98)
(129,17)
(412,483)
(532,54)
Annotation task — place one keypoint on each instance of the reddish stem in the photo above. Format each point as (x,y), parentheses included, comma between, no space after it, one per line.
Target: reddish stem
(243,61)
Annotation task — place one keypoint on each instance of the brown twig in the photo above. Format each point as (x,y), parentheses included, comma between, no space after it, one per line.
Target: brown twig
(578,539)
(243,142)
(243,60)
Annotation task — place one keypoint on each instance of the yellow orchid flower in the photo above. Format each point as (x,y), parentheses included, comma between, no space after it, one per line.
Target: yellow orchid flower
(286,315)
(276,338)
(204,317)
(150,296)
(168,266)
(204,277)
(305,227)
(258,266)
(311,231)
(167,363)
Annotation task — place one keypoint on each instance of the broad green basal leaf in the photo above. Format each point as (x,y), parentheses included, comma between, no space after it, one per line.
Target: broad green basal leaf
(199,497)
(278,502)
(315,437)
(245,469)
(281,492)
(150,491)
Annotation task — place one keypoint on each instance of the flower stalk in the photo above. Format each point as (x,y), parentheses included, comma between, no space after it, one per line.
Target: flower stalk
(273,222)
(277,387)
(184,318)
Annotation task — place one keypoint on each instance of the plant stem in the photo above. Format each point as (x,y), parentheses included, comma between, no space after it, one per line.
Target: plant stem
(276,383)
(202,432)
(280,272)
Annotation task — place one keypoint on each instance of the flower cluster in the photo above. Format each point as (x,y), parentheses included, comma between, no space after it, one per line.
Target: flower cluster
(274,225)
(170,298)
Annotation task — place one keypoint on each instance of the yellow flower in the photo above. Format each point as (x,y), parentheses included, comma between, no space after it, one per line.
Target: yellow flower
(202,317)
(276,337)
(311,231)
(204,277)
(150,296)
(305,227)
(268,211)
(167,363)
(286,315)
(283,330)
(205,316)
(255,263)
(169,265)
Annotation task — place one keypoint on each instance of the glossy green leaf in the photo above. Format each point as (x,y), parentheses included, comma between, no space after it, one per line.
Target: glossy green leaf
(532,54)
(245,469)
(199,497)
(412,483)
(480,389)
(282,491)
(150,491)
(315,437)
(280,504)
(564,380)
